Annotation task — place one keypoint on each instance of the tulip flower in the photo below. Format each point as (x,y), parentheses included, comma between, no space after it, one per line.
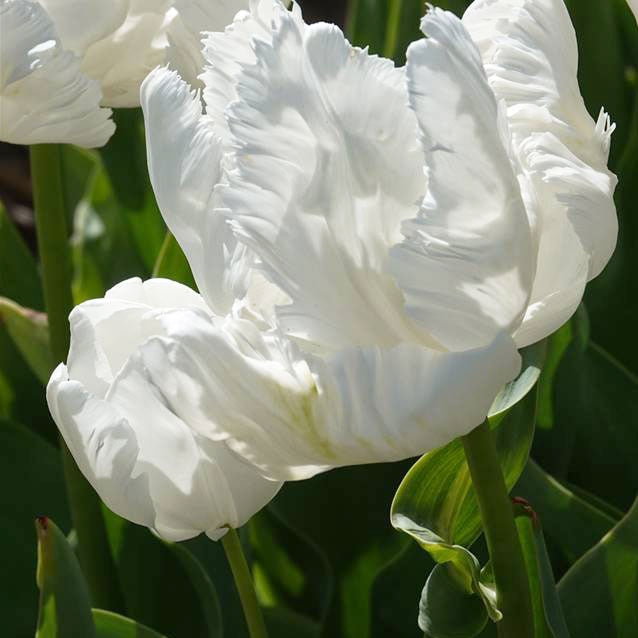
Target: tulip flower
(120,41)
(44,96)
(144,460)
(633,5)
(313,361)
(391,234)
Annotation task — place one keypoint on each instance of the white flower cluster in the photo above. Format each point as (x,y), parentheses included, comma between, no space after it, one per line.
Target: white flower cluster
(372,245)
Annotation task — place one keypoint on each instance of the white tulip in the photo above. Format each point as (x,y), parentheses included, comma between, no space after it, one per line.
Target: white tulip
(371,310)
(120,41)
(633,5)
(313,361)
(44,96)
(144,460)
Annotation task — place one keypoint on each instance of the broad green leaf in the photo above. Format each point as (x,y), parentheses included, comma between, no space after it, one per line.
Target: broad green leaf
(549,621)
(111,625)
(366,23)
(436,504)
(164,586)
(32,485)
(65,608)
(394,594)
(571,524)
(595,432)
(172,264)
(344,514)
(447,609)
(30,332)
(599,592)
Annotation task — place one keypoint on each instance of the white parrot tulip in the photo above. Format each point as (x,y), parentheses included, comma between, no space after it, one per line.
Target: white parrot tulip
(145,461)
(44,95)
(287,204)
(374,242)
(120,41)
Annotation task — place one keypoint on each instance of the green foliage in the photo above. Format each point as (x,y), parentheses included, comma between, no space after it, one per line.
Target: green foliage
(436,504)
(600,590)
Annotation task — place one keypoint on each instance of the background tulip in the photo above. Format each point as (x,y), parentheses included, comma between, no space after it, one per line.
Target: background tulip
(44,95)
(144,460)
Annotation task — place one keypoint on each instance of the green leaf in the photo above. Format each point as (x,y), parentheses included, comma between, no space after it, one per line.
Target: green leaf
(594,436)
(348,524)
(283,623)
(157,578)
(32,484)
(435,503)
(111,625)
(600,591)
(65,608)
(172,264)
(29,330)
(549,621)
(447,610)
(572,524)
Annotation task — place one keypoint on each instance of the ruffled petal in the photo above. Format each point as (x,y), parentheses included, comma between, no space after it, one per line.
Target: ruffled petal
(293,417)
(327,164)
(44,97)
(148,466)
(467,261)
(531,58)
(194,19)
(183,180)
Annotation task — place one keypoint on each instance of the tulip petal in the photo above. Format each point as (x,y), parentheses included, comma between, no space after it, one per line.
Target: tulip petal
(183,180)
(44,97)
(466,263)
(293,417)
(326,167)
(530,54)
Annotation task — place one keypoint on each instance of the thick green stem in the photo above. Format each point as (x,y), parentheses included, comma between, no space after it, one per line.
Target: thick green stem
(55,258)
(508,564)
(244,584)
(392,30)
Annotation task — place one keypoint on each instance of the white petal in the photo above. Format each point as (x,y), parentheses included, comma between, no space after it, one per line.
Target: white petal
(327,166)
(148,466)
(466,264)
(183,180)
(104,332)
(294,417)
(227,52)
(633,5)
(194,18)
(103,445)
(530,53)
(79,23)
(44,97)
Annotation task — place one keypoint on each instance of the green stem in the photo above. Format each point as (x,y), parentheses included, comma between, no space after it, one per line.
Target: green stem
(508,563)
(392,31)
(244,584)
(55,258)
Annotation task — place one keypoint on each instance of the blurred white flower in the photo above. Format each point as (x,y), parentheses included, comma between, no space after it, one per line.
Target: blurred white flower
(145,461)
(313,361)
(633,5)
(120,41)
(44,96)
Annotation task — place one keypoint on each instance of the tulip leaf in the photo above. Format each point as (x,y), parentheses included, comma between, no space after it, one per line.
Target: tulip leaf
(171,263)
(599,592)
(30,333)
(549,621)
(448,609)
(158,577)
(65,606)
(435,503)
(572,524)
(283,623)
(112,625)
(33,483)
